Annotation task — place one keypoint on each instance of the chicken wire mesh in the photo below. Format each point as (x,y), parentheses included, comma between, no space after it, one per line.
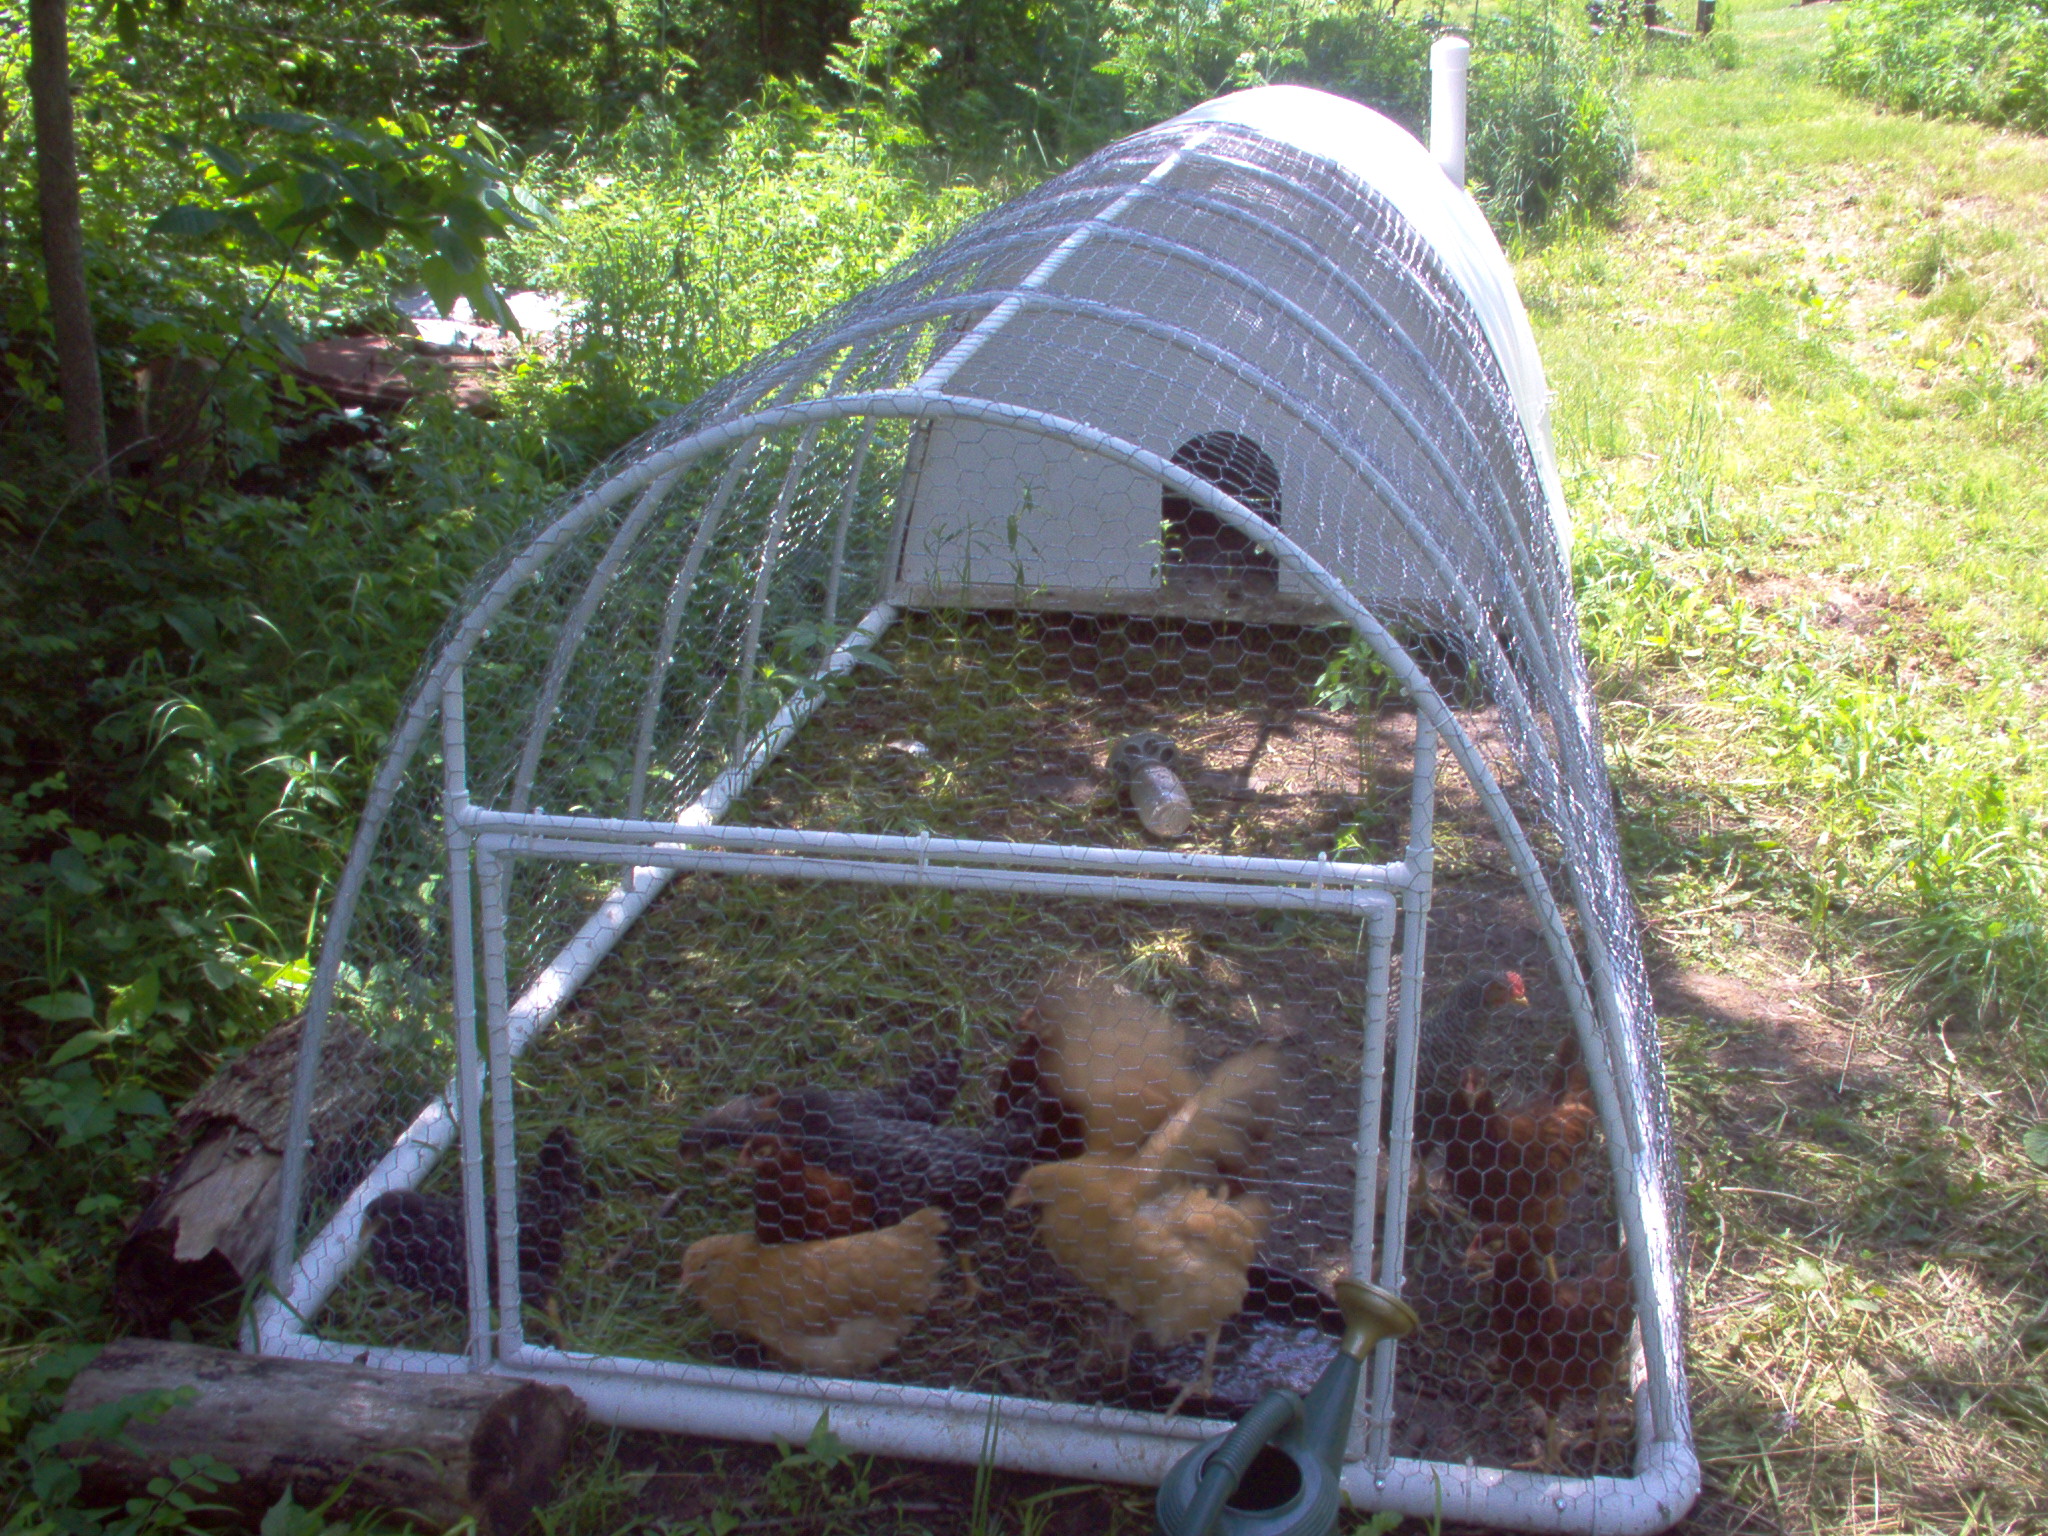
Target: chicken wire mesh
(1202,440)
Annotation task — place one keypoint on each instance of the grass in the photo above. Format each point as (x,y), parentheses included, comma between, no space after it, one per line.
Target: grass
(1800,410)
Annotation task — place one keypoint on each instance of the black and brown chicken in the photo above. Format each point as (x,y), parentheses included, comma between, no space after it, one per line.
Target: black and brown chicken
(1450,1038)
(1097,1069)
(800,1202)
(416,1241)
(872,1156)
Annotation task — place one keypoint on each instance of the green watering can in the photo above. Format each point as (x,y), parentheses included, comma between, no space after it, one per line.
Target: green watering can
(1276,1474)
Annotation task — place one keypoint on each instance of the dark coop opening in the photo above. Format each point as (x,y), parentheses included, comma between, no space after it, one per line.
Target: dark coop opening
(1200,548)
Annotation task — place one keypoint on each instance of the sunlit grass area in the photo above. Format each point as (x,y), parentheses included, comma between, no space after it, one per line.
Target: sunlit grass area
(1801,410)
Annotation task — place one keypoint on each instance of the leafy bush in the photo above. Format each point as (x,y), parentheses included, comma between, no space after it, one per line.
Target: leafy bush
(1981,59)
(1550,137)
(1171,54)
(684,266)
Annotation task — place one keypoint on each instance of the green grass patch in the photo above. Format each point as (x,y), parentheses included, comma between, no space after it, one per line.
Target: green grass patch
(1799,402)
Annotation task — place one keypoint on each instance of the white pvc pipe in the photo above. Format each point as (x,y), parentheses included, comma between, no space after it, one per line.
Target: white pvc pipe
(1450,59)
(757,610)
(952,877)
(468,1073)
(1651,1243)
(926,849)
(1366,1164)
(1407,1048)
(842,524)
(571,638)
(962,351)
(491,882)
(672,621)
(285,1314)
(1055,1439)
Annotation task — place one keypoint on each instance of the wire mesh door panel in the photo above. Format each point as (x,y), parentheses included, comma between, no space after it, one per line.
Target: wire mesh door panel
(1082,1151)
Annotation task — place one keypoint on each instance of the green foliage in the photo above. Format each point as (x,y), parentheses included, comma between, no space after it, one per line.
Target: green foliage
(1981,59)
(1917,818)
(1550,137)
(685,266)
(344,189)
(191,703)
(1171,54)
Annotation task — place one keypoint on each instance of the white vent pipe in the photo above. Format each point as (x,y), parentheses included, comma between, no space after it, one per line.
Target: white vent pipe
(1449,60)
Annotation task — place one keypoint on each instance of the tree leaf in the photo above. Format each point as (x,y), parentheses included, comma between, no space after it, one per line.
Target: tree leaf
(508,24)
(225,160)
(285,122)
(187,219)
(60,1007)
(133,1004)
(443,283)
(84,1043)
(463,256)
(2035,1144)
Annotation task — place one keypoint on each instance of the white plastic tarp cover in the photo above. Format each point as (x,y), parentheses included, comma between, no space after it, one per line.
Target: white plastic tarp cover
(1386,157)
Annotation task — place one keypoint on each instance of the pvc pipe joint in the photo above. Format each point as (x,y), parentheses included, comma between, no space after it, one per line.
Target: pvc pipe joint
(1450,60)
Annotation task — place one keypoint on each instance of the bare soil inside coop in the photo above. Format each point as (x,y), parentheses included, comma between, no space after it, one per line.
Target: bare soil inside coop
(1001,729)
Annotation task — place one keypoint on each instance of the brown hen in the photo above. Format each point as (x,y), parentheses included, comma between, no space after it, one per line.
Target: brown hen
(834,1308)
(1517,1168)
(1159,1234)
(1556,1337)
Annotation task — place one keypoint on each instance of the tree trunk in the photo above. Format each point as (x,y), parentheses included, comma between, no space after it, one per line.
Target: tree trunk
(442,1449)
(78,357)
(209,1222)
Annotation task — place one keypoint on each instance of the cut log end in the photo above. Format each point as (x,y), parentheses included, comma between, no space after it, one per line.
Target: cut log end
(519,1446)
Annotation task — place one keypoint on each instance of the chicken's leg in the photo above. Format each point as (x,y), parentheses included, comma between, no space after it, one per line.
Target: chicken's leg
(1551,1458)
(1205,1383)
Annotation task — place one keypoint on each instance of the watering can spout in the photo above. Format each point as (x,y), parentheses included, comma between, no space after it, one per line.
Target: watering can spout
(1370,1315)
(1277,1473)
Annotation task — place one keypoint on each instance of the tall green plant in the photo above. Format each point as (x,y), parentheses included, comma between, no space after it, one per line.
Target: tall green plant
(1982,59)
(1550,135)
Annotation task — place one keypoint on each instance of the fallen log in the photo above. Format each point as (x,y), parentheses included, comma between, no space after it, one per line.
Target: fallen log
(435,1450)
(208,1223)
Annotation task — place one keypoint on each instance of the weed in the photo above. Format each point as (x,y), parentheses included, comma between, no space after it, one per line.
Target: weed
(1979,59)
(1927,261)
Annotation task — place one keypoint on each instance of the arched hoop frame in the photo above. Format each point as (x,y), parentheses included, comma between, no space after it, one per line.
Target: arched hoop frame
(821,384)
(1028,1435)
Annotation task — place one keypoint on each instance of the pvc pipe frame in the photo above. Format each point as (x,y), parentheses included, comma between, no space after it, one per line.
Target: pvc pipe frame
(301,1288)
(600,933)
(590,944)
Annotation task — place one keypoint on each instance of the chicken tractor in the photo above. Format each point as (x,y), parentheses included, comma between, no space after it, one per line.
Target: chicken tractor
(968,879)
